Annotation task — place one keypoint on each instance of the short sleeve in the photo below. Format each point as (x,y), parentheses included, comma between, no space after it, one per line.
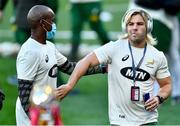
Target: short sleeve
(163,70)
(27,64)
(61,59)
(105,53)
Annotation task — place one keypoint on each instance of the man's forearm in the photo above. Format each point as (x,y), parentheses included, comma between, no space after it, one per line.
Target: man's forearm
(80,70)
(68,68)
(165,88)
(165,91)
(97,69)
(24,92)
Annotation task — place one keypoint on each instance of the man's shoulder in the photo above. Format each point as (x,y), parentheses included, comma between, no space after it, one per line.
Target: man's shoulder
(51,44)
(29,47)
(28,43)
(119,42)
(155,51)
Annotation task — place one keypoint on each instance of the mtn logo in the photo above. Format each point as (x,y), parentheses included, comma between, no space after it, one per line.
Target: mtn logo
(141,75)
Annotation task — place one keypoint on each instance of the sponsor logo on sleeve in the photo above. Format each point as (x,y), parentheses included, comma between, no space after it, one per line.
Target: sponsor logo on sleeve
(53,72)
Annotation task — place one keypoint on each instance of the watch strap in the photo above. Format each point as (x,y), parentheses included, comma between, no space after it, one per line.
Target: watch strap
(161,99)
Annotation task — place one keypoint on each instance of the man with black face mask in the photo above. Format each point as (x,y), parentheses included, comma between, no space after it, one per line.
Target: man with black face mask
(38,60)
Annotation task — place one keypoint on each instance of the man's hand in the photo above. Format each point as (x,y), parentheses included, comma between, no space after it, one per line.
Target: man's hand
(62,91)
(152,104)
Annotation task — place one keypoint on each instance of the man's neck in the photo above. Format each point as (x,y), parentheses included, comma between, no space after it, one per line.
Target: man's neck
(38,37)
(138,44)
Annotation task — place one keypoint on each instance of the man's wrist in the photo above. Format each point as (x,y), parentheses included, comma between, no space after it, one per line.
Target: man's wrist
(70,86)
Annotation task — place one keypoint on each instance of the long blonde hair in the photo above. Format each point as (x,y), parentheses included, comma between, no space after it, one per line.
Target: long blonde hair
(148,22)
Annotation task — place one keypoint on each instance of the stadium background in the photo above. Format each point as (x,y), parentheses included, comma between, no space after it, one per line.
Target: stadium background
(90,106)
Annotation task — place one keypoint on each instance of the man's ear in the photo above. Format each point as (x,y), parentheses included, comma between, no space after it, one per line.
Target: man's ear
(42,22)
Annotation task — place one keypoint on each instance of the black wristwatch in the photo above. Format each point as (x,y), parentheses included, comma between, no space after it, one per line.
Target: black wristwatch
(161,99)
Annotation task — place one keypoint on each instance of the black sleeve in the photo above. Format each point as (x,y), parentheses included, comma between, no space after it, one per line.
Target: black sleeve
(24,91)
(3,4)
(172,7)
(97,69)
(2,97)
(151,4)
(68,68)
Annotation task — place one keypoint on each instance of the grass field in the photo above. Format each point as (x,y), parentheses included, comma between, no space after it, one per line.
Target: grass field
(89,107)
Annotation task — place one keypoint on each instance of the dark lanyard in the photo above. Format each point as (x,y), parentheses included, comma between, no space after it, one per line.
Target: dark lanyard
(139,64)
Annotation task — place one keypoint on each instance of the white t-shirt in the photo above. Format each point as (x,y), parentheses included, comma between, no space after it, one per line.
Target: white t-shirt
(83,1)
(122,111)
(38,63)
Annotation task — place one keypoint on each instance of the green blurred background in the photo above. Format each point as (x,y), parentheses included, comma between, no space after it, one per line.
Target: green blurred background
(89,107)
